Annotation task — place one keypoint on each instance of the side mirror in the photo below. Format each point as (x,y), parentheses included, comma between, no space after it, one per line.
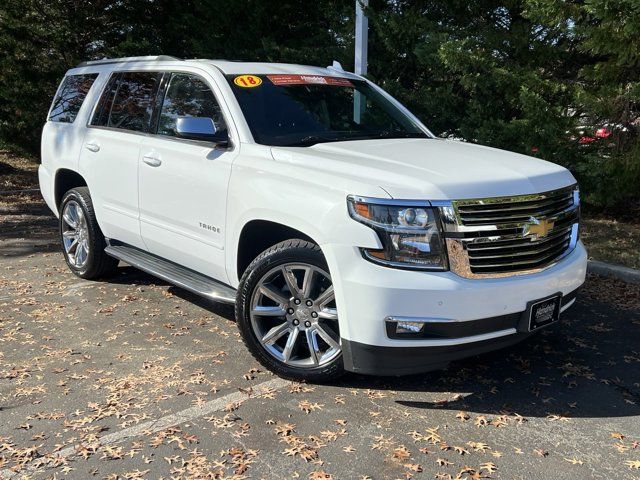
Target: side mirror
(200,128)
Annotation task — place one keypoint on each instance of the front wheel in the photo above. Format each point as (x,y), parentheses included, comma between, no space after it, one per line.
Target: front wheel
(287,315)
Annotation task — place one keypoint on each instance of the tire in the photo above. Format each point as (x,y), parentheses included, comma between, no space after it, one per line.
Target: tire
(76,206)
(314,353)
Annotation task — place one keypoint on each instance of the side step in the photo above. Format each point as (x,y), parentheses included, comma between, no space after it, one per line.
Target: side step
(173,273)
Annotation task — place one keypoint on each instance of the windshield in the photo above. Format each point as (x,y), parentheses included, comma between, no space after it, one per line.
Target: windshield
(302,110)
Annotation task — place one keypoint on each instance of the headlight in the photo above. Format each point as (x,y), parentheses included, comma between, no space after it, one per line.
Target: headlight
(409,233)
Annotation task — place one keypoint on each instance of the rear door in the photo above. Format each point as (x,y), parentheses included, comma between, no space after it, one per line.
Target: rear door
(183,183)
(111,148)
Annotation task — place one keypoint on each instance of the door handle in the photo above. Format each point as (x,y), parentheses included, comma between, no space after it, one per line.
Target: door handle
(92,147)
(152,161)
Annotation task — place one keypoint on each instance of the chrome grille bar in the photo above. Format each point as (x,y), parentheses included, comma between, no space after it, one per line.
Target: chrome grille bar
(520,263)
(514,243)
(481,254)
(487,213)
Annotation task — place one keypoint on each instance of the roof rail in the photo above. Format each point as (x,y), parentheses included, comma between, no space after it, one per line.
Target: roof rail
(147,58)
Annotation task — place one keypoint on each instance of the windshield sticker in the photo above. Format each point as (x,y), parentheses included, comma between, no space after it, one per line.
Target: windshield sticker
(247,81)
(309,80)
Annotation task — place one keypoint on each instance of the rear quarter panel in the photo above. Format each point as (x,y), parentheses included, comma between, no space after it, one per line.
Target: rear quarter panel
(61,143)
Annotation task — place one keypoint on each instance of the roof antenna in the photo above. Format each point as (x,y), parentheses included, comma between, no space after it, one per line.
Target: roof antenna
(336,66)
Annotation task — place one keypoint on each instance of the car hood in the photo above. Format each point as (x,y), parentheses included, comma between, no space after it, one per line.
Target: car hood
(434,169)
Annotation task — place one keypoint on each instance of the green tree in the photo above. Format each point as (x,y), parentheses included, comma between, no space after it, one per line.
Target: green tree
(522,75)
(606,36)
(517,74)
(478,70)
(41,39)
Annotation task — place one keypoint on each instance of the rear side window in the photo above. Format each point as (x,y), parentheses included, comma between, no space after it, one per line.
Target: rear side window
(70,96)
(101,115)
(127,101)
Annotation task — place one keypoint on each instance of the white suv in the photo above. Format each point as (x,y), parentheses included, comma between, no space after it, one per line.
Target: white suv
(348,237)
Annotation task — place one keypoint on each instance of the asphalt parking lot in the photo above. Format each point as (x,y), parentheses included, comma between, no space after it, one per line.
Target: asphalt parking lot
(132,378)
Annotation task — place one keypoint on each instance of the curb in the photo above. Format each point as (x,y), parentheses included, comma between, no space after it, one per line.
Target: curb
(619,272)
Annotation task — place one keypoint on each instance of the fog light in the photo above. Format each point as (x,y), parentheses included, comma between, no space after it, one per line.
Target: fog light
(409,327)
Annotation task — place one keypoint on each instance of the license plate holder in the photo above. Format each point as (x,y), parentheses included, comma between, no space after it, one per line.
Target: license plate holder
(544,312)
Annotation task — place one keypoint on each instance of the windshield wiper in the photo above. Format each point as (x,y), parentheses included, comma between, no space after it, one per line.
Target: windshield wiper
(310,140)
(390,134)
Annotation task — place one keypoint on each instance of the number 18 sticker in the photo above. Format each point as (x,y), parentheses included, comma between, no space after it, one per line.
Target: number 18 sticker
(247,81)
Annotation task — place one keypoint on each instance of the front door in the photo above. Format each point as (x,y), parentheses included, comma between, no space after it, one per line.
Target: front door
(183,183)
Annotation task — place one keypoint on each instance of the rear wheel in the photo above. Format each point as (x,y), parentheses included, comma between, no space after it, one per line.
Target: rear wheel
(82,241)
(287,314)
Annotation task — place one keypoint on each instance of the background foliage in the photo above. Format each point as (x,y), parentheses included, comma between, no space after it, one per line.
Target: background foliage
(534,76)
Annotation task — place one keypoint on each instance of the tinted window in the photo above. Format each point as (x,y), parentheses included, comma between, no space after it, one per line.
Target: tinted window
(101,115)
(302,110)
(188,96)
(133,102)
(71,94)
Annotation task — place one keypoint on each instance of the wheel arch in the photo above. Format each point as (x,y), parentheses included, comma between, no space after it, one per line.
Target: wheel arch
(65,180)
(258,235)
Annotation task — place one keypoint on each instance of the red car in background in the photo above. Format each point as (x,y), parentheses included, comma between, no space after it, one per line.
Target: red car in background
(602,132)
(584,136)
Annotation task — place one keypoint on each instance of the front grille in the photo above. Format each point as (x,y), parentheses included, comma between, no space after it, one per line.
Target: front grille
(520,254)
(510,236)
(514,209)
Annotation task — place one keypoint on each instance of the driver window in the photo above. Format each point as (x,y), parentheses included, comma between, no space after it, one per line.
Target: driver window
(188,96)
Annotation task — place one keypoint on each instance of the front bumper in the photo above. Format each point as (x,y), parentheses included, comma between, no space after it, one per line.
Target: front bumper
(457,340)
(465,316)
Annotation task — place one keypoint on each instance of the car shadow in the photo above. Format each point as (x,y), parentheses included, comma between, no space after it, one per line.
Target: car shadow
(585,366)
(131,275)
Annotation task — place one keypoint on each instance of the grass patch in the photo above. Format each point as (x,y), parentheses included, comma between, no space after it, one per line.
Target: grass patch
(612,241)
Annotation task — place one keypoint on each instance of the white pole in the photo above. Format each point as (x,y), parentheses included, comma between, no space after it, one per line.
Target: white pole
(362,41)
(362,37)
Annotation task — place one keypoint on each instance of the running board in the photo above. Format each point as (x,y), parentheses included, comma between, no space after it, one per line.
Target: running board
(173,273)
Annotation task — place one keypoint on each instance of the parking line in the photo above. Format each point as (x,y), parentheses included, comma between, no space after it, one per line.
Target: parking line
(76,287)
(162,423)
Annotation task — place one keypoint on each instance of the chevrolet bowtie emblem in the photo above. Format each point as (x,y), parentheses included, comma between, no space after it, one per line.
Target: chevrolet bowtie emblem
(538,228)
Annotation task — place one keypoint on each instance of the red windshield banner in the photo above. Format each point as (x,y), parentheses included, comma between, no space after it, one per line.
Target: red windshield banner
(309,80)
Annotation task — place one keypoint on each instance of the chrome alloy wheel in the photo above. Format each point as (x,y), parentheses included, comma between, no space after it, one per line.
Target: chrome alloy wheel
(294,316)
(75,234)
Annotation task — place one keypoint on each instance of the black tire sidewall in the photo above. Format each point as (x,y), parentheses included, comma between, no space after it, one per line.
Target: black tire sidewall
(96,240)
(293,251)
